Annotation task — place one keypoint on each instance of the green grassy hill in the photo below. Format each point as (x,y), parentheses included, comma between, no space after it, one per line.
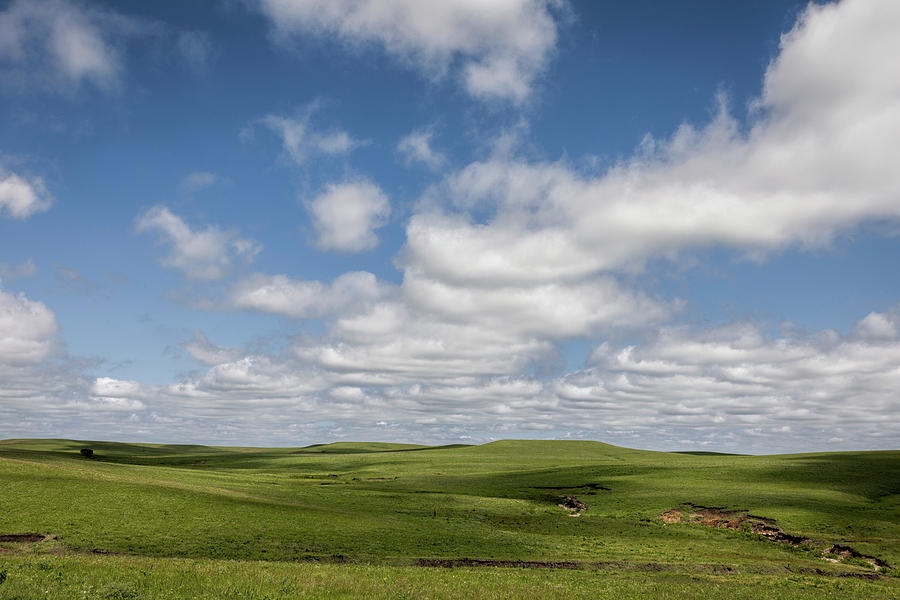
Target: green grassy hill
(384,510)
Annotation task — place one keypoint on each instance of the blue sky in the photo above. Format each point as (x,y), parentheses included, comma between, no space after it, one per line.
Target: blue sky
(660,225)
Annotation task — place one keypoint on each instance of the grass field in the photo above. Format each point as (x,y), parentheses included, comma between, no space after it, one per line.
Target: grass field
(391,520)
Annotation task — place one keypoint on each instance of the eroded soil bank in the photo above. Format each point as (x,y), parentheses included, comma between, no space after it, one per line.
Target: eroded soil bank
(743,520)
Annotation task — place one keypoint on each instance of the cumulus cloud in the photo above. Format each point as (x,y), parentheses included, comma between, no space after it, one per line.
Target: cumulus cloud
(28,330)
(280,294)
(57,43)
(731,385)
(203,254)
(549,310)
(21,197)
(38,378)
(816,159)
(254,380)
(876,326)
(207,353)
(393,344)
(424,331)
(301,141)
(115,394)
(735,379)
(499,48)
(416,148)
(346,216)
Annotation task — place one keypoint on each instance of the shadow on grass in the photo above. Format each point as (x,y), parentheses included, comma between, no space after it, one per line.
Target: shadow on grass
(873,475)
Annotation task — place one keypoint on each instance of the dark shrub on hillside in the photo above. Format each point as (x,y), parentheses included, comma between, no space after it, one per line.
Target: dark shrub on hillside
(87,453)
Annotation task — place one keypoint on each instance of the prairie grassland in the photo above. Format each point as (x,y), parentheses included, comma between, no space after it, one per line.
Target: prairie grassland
(349,520)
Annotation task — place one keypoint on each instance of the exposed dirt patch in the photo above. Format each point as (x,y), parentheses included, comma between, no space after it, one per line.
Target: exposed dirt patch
(719,516)
(776,535)
(842,551)
(573,505)
(673,515)
(23,537)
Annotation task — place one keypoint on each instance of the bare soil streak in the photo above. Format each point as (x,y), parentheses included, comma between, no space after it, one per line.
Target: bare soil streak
(588,486)
(718,516)
(22,537)
(848,552)
(452,563)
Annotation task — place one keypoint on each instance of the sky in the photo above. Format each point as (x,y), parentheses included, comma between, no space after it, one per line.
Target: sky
(661,225)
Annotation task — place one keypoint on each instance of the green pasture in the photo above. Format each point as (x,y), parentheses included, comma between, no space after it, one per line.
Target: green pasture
(344,520)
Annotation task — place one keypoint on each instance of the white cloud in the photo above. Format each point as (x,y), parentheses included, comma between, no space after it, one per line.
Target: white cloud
(114,394)
(64,45)
(735,378)
(393,344)
(548,310)
(204,254)
(500,47)
(346,216)
(818,158)
(251,380)
(876,326)
(26,269)
(416,147)
(207,353)
(426,331)
(380,333)
(21,197)
(41,384)
(28,330)
(57,43)
(197,180)
(301,141)
(280,294)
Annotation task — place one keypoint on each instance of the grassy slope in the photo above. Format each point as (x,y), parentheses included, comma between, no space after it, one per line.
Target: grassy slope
(376,504)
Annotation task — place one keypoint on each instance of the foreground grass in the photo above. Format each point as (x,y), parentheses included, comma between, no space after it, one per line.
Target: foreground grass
(136,578)
(258,523)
